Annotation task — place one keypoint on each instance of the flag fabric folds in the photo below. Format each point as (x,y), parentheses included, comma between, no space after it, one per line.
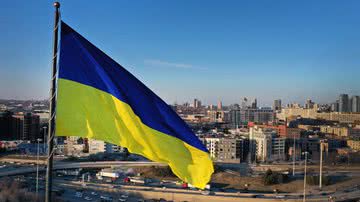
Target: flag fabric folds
(98,98)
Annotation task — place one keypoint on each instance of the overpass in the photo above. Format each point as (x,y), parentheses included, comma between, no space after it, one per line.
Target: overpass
(96,164)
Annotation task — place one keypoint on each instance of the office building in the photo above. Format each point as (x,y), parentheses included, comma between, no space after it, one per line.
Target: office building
(197,103)
(309,104)
(254,104)
(99,146)
(74,146)
(31,127)
(218,116)
(5,125)
(355,104)
(221,149)
(19,126)
(239,117)
(235,120)
(344,103)
(264,145)
(277,105)
(219,105)
(335,106)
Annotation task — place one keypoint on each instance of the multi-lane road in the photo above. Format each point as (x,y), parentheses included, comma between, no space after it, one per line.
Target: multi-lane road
(183,194)
(63,165)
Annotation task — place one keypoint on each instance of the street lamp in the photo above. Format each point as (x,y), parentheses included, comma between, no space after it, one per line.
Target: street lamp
(306,156)
(37,168)
(294,156)
(247,187)
(45,132)
(321,162)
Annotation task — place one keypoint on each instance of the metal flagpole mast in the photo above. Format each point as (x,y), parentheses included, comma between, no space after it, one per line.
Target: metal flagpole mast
(51,132)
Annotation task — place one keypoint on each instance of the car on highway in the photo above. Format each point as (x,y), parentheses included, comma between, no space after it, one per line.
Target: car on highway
(79,194)
(124,196)
(105,198)
(205,192)
(280,196)
(87,198)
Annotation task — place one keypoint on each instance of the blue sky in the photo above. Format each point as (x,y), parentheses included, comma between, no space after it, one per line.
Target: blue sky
(210,50)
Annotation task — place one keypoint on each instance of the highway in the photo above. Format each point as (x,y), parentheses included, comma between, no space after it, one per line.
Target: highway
(60,166)
(193,195)
(190,195)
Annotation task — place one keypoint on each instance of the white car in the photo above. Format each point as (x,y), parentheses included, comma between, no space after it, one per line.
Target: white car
(79,194)
(88,198)
(279,196)
(106,198)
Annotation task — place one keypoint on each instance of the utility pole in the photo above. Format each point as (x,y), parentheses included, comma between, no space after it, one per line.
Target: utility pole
(37,169)
(321,161)
(304,195)
(294,156)
(51,132)
(44,140)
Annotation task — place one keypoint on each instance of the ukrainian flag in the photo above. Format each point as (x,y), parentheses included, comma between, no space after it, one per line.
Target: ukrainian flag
(97,98)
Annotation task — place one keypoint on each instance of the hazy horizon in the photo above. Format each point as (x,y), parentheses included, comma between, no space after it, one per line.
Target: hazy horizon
(205,49)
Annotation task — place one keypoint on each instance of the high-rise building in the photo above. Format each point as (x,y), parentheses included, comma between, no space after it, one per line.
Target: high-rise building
(309,104)
(225,149)
(265,145)
(17,125)
(344,103)
(335,106)
(21,127)
(254,104)
(5,125)
(219,116)
(235,120)
(260,144)
(241,116)
(355,104)
(197,103)
(31,127)
(219,105)
(277,105)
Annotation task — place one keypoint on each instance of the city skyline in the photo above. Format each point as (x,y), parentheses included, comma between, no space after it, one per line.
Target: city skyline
(266,51)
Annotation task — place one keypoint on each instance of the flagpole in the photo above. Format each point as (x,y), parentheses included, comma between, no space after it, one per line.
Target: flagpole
(51,132)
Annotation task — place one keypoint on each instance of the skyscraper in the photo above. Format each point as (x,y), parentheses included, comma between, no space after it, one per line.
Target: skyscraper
(355,103)
(309,104)
(5,125)
(254,104)
(197,103)
(277,105)
(344,103)
(335,106)
(219,105)
(31,127)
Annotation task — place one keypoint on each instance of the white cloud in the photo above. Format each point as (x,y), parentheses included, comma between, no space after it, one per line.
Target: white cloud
(163,63)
